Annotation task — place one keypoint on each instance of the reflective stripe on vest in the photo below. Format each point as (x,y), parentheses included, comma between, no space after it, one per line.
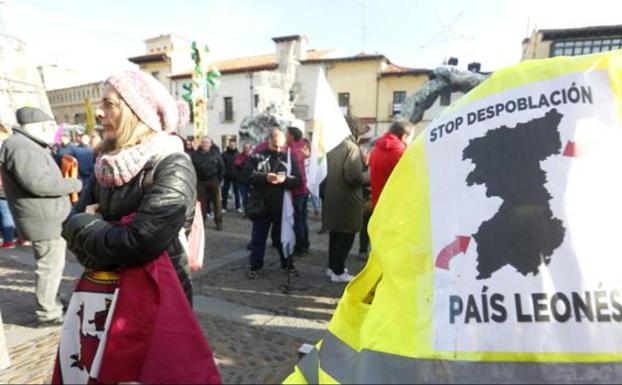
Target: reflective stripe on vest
(347,366)
(310,366)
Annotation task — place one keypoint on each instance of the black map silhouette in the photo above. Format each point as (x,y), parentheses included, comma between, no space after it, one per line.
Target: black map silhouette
(523,233)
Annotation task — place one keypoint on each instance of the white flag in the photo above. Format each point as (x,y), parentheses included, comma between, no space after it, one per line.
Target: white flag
(288,237)
(329,130)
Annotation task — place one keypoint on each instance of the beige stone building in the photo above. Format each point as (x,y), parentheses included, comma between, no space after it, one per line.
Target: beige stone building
(367,86)
(372,88)
(165,55)
(68,104)
(548,43)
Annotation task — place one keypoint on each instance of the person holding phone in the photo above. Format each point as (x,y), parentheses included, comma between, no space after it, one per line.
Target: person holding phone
(268,175)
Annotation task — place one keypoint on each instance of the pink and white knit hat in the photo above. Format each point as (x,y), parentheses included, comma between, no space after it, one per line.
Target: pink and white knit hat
(149,100)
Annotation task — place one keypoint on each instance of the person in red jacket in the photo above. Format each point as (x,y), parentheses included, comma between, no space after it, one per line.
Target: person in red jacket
(386,154)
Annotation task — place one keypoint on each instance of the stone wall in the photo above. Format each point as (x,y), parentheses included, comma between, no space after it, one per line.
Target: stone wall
(20,82)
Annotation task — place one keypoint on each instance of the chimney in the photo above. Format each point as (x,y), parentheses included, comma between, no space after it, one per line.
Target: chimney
(453,61)
(475,67)
(295,44)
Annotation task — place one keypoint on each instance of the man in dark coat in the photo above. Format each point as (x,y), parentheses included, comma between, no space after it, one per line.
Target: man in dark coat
(231,180)
(210,171)
(85,156)
(38,197)
(269,181)
(65,148)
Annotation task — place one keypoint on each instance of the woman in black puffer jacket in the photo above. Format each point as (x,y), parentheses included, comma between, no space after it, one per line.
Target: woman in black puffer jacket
(141,170)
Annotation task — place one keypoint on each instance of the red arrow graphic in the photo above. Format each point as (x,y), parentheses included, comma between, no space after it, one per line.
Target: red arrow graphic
(575,150)
(459,246)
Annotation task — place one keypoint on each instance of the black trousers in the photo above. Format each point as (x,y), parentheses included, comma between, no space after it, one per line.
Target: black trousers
(338,249)
(261,229)
(226,187)
(364,235)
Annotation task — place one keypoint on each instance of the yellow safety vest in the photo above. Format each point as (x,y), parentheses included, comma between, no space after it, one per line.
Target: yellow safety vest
(495,256)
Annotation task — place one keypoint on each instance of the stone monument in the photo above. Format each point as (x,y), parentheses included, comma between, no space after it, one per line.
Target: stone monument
(20,82)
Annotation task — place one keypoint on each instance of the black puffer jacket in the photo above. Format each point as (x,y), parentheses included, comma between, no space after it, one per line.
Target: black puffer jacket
(209,166)
(163,206)
(257,169)
(228,157)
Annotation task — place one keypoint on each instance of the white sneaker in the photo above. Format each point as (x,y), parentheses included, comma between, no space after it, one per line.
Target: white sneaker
(224,211)
(343,278)
(210,216)
(241,210)
(329,273)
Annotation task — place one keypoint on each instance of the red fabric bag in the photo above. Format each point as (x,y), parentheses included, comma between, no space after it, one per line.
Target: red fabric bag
(146,332)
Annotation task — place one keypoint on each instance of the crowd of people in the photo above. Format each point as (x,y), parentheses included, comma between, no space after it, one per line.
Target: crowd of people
(139,169)
(260,176)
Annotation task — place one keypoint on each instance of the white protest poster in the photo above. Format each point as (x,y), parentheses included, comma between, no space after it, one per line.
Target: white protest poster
(527,261)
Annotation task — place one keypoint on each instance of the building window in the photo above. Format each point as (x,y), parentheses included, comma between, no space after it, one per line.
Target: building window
(256,101)
(398,99)
(344,103)
(228,109)
(445,99)
(585,47)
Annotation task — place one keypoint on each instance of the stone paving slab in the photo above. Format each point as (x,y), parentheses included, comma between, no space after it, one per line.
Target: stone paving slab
(302,328)
(251,355)
(313,297)
(255,328)
(32,362)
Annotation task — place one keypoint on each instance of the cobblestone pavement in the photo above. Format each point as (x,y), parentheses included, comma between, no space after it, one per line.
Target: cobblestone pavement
(255,328)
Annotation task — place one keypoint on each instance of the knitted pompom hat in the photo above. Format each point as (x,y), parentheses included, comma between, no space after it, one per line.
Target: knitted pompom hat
(149,100)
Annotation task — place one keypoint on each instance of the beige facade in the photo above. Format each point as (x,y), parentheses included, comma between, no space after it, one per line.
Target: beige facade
(548,43)
(372,87)
(535,47)
(359,80)
(68,104)
(377,89)
(389,85)
(165,55)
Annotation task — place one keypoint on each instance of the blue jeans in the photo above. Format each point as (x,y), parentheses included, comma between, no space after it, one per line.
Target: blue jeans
(301,227)
(315,202)
(261,229)
(226,187)
(8,225)
(244,191)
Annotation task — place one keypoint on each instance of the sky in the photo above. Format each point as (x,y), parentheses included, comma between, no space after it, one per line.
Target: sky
(96,37)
